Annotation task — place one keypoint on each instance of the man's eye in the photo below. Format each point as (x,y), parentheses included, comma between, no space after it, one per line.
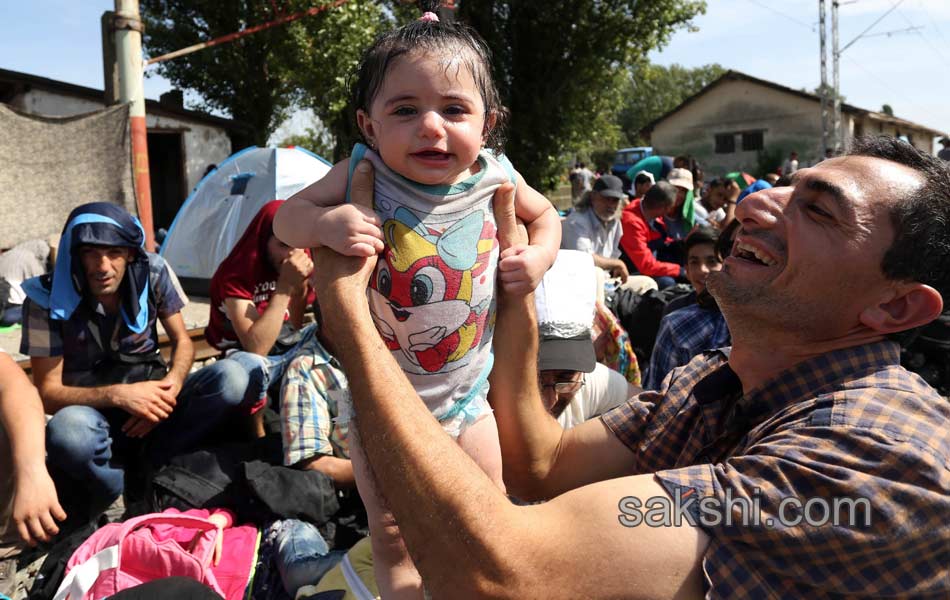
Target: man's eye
(814,208)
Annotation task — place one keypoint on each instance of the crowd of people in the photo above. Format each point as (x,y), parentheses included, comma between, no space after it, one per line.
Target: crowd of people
(469,381)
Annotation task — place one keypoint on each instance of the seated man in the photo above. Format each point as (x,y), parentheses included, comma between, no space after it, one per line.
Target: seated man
(29,507)
(839,452)
(90,331)
(258,296)
(574,386)
(686,332)
(594,226)
(643,234)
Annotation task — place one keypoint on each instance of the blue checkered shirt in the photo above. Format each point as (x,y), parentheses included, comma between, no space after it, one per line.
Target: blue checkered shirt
(89,336)
(851,423)
(683,334)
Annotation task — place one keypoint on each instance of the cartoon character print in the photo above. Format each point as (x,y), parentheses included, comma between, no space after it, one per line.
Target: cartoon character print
(429,294)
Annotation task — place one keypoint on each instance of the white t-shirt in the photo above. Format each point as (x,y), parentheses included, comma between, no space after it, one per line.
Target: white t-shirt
(603,390)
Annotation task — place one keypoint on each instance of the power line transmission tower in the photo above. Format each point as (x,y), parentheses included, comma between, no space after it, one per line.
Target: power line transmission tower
(836,114)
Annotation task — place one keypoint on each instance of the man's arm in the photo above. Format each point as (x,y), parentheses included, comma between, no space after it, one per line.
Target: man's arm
(509,551)
(183,351)
(35,505)
(634,243)
(259,332)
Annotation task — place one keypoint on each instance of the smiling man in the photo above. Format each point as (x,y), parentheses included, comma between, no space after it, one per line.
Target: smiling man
(839,453)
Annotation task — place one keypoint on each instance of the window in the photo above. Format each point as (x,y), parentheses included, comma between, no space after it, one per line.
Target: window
(725,143)
(752,140)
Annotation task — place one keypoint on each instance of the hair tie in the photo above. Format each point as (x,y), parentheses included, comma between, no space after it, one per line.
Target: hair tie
(429,16)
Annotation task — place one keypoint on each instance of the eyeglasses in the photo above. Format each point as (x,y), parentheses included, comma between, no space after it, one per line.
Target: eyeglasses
(563,387)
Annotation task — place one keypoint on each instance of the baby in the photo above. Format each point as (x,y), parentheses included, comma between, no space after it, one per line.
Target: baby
(432,120)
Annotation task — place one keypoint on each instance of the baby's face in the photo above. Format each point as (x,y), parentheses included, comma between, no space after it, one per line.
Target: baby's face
(428,120)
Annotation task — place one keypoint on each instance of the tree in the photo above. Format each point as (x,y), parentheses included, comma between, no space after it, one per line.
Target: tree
(562,65)
(887,110)
(245,79)
(654,90)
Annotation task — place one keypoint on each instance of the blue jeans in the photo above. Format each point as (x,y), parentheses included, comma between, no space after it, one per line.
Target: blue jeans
(85,446)
(664,282)
(263,372)
(303,556)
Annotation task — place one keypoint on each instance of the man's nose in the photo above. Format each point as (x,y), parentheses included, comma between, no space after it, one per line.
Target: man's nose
(763,208)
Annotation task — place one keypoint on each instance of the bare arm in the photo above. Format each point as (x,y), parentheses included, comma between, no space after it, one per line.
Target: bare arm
(317,216)
(509,551)
(35,506)
(540,218)
(183,351)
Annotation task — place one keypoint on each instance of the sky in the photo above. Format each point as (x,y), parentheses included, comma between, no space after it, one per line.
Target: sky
(775,40)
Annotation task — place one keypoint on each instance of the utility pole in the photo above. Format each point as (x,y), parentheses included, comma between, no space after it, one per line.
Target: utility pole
(128,47)
(836,114)
(824,77)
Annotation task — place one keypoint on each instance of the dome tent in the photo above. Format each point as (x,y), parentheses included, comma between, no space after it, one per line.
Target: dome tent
(221,206)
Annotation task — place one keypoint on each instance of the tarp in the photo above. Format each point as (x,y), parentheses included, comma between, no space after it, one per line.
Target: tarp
(220,208)
(50,165)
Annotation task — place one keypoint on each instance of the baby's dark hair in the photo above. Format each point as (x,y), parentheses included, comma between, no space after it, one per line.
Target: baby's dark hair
(432,35)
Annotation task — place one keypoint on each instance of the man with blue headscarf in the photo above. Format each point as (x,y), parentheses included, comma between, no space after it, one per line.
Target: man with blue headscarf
(90,331)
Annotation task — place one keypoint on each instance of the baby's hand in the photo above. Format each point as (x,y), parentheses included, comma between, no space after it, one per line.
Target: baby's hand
(521,268)
(350,230)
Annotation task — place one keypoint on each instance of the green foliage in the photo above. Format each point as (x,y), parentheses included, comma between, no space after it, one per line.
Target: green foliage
(329,47)
(768,160)
(602,158)
(887,110)
(653,90)
(246,79)
(317,139)
(561,66)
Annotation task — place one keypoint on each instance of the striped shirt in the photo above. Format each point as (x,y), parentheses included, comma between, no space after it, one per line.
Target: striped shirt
(851,424)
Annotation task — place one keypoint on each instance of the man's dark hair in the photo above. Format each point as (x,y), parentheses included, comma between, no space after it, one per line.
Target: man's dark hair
(703,235)
(641,179)
(662,194)
(921,248)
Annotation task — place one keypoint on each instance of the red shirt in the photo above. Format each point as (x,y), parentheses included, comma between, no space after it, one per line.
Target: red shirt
(637,233)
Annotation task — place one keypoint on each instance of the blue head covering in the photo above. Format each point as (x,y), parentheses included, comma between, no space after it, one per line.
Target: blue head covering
(100,224)
(759,185)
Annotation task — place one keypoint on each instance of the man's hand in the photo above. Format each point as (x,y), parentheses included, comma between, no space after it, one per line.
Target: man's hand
(294,271)
(512,238)
(35,506)
(619,270)
(339,279)
(150,400)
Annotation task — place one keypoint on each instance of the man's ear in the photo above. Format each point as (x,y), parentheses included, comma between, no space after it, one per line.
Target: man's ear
(911,305)
(367,127)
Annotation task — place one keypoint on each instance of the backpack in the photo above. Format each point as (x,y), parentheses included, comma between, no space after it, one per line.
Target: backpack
(640,315)
(154,546)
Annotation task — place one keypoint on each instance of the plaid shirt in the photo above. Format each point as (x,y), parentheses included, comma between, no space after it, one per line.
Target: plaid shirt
(312,387)
(851,423)
(682,335)
(90,335)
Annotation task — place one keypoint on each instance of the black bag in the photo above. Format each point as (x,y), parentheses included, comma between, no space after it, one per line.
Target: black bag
(640,316)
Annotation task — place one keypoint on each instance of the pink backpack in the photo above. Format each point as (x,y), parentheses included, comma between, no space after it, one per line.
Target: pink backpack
(123,555)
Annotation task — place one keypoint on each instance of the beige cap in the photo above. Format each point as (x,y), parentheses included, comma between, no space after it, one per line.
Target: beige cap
(681,178)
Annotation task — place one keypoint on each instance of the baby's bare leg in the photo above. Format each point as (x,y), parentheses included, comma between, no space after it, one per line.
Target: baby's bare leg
(396,575)
(480,441)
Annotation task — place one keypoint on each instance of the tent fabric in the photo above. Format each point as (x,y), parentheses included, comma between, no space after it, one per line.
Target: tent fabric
(215,215)
(50,165)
